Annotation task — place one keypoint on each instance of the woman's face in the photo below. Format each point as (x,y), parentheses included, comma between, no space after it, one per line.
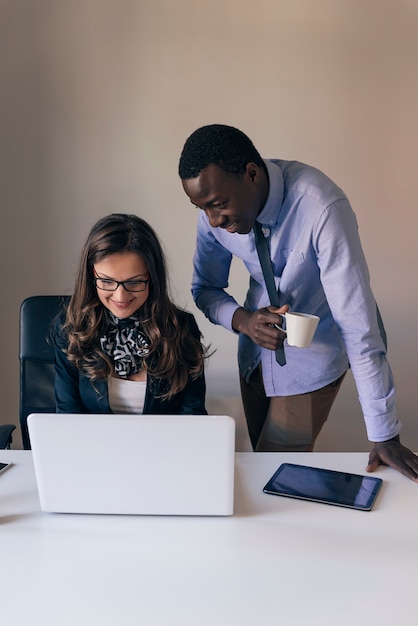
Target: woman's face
(129,268)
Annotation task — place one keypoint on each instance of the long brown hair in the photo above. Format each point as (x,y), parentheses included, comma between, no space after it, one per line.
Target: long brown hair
(175,352)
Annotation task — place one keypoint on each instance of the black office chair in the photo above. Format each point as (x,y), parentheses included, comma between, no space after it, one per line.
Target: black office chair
(36,356)
(6,435)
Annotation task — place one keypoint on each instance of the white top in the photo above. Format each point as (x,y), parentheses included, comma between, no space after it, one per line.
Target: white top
(126,396)
(275,561)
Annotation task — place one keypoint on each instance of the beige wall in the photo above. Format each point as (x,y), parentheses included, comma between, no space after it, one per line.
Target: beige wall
(98,97)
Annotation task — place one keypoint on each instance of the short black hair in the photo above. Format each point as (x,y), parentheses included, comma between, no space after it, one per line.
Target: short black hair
(217,144)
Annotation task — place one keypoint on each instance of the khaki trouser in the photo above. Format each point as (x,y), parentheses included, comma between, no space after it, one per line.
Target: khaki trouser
(288,423)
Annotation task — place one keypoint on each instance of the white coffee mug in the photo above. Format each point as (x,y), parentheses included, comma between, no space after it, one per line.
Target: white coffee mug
(300,328)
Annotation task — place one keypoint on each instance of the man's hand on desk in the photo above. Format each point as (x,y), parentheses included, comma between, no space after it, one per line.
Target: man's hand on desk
(393,453)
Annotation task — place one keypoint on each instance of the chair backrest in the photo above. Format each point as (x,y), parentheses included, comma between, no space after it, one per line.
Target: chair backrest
(36,356)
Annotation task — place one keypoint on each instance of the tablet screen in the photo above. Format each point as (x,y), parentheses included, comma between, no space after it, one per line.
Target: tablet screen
(323,485)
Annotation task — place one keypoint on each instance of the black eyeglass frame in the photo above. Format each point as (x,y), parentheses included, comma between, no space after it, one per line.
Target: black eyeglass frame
(121,282)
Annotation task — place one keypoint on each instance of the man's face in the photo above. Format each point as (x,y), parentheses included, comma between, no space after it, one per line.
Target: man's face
(230,201)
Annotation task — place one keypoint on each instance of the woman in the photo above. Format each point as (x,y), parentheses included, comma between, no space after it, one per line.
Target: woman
(122,346)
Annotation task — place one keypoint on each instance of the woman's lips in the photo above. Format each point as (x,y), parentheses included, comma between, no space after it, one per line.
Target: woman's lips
(122,304)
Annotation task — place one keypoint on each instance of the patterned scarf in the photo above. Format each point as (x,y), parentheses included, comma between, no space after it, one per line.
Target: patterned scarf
(125,345)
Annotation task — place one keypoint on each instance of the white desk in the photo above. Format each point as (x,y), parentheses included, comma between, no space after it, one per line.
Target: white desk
(277,561)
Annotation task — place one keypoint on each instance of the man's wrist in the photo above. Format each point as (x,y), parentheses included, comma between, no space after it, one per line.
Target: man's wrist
(396,439)
(239,320)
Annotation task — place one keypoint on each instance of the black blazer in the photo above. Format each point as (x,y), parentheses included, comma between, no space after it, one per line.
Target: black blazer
(76,393)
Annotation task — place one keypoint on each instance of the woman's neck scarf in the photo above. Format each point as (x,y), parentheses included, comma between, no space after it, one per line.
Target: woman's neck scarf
(125,344)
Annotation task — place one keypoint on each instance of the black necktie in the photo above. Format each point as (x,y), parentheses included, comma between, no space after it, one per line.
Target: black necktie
(265,262)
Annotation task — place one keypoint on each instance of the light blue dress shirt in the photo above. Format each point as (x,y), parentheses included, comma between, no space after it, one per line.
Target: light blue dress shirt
(319,268)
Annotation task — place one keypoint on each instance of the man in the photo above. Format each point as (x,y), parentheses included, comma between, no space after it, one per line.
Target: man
(319,268)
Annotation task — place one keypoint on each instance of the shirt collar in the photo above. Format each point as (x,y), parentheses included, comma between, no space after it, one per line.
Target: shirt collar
(271,209)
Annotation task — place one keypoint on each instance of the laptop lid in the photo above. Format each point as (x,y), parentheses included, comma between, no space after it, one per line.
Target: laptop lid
(134,464)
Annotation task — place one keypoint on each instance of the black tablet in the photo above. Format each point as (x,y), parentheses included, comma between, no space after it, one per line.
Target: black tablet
(323,485)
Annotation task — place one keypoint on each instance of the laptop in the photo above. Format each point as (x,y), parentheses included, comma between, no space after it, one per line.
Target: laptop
(134,464)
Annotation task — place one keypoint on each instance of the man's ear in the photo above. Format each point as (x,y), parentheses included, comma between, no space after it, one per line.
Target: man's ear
(252,171)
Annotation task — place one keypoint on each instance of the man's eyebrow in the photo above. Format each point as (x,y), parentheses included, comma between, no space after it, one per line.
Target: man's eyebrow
(208,203)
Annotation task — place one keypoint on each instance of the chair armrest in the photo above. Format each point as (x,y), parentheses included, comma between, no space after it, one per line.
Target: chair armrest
(6,435)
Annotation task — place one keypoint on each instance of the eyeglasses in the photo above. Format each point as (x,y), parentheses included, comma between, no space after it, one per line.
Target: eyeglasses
(106,284)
